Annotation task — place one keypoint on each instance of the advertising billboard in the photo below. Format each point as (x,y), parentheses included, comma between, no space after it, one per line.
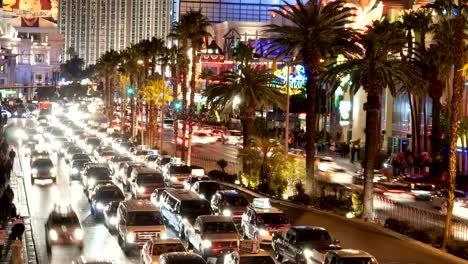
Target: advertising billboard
(32,13)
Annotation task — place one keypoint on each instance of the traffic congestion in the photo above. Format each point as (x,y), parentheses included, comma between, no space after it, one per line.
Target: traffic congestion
(157,208)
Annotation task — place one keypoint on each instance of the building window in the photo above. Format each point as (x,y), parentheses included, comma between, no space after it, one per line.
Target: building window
(39,58)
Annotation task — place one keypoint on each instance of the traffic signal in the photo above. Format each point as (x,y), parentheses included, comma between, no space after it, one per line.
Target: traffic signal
(130,90)
(177,105)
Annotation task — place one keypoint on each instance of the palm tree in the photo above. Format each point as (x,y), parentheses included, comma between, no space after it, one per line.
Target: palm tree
(311,32)
(106,65)
(206,74)
(452,21)
(252,86)
(129,68)
(374,69)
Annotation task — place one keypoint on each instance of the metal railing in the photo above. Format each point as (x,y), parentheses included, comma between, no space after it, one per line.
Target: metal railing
(419,218)
(209,163)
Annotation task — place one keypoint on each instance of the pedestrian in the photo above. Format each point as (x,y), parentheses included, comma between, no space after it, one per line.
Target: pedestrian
(17,229)
(12,155)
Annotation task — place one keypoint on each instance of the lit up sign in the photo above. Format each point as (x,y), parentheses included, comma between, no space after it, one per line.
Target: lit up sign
(297,77)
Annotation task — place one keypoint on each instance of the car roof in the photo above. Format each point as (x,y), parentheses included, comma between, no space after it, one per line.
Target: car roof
(230,193)
(260,253)
(272,210)
(183,194)
(155,240)
(107,185)
(346,253)
(300,228)
(139,205)
(215,218)
(146,170)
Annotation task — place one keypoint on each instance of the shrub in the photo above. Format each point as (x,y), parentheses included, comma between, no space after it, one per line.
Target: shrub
(357,203)
(300,197)
(458,248)
(222,163)
(222,176)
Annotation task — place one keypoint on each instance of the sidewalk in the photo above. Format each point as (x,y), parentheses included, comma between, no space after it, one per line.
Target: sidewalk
(20,200)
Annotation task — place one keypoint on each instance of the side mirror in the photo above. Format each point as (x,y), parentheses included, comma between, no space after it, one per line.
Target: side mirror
(336,241)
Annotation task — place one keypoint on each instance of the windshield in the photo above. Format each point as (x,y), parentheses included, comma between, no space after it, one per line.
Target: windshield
(127,145)
(141,153)
(150,178)
(144,218)
(159,249)
(271,219)
(152,158)
(42,163)
(168,121)
(165,161)
(81,156)
(93,141)
(107,153)
(180,169)
(256,260)
(195,207)
(209,187)
(308,236)
(219,227)
(109,194)
(64,220)
(356,261)
(235,201)
(79,163)
(120,158)
(99,173)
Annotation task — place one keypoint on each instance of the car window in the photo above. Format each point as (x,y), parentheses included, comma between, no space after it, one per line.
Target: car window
(144,218)
(109,194)
(271,218)
(219,227)
(235,201)
(42,163)
(59,220)
(159,249)
(98,172)
(180,169)
(150,178)
(256,260)
(355,261)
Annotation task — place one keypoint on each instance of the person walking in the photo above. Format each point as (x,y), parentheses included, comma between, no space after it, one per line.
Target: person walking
(12,155)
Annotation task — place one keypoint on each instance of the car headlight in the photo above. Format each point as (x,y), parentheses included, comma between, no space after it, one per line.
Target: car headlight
(227,212)
(91,182)
(53,171)
(206,243)
(113,220)
(130,237)
(53,235)
(174,179)
(163,235)
(263,232)
(184,221)
(34,170)
(100,206)
(141,189)
(308,253)
(78,234)
(75,171)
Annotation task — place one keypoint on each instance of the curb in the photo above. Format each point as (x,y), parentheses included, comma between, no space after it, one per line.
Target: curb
(356,222)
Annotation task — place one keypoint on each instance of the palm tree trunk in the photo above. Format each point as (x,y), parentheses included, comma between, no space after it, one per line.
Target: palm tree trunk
(184,111)
(192,102)
(123,107)
(105,91)
(413,126)
(435,134)
(372,108)
(458,86)
(111,99)
(312,72)
(175,82)
(425,121)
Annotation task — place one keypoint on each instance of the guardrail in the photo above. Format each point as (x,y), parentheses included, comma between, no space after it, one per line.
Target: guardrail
(210,164)
(419,218)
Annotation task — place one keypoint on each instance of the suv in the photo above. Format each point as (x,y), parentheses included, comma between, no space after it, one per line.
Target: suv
(43,169)
(206,189)
(102,195)
(161,161)
(176,174)
(94,174)
(139,221)
(181,257)
(179,207)
(144,180)
(348,256)
(260,221)
(229,203)
(126,171)
(76,168)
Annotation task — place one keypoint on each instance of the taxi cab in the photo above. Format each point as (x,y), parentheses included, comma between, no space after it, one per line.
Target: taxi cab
(260,221)
(249,253)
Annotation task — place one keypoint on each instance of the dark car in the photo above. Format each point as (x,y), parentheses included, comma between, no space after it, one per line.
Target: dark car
(63,228)
(80,156)
(91,144)
(76,167)
(229,203)
(181,257)
(71,151)
(102,195)
(39,154)
(42,169)
(93,175)
(206,189)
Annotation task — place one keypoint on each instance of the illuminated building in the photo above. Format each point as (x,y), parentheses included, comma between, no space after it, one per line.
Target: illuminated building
(91,27)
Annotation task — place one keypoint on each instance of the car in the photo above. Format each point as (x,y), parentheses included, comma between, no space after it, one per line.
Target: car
(39,154)
(155,247)
(126,171)
(212,235)
(102,195)
(58,144)
(249,253)
(397,192)
(43,169)
(80,156)
(117,160)
(139,155)
(178,258)
(124,147)
(110,215)
(155,197)
(188,183)
(439,198)
(302,244)
(143,181)
(175,174)
(106,155)
(323,163)
(260,221)
(378,177)
(203,137)
(206,189)
(94,174)
(63,228)
(139,221)
(76,167)
(419,186)
(83,260)
(91,143)
(162,160)
(97,152)
(336,175)
(229,203)
(348,256)
(151,160)
(71,151)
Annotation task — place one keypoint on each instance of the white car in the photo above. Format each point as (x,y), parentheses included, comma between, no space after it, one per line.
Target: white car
(439,199)
(156,247)
(323,163)
(338,175)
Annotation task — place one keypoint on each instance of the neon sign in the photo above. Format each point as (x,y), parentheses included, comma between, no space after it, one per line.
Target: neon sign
(297,77)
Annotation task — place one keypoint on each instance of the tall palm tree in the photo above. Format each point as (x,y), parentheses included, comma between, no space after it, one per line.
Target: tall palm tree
(252,86)
(311,32)
(106,66)
(129,68)
(452,16)
(374,68)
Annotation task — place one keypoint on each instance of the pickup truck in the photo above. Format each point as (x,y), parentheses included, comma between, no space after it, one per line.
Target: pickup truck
(303,244)
(212,236)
